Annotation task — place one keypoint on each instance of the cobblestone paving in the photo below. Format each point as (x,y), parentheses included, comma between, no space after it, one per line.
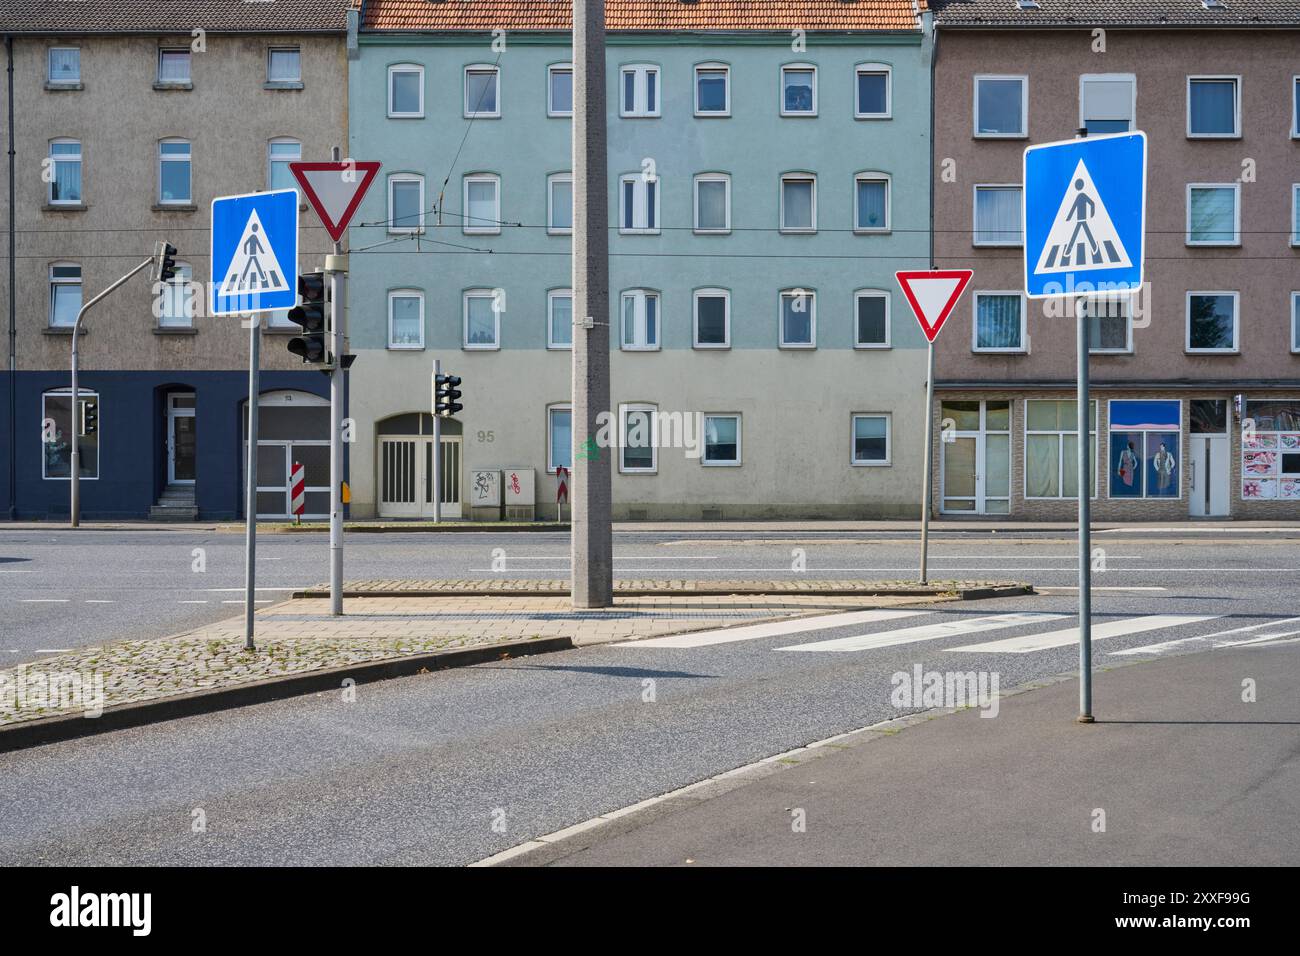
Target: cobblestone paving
(541,586)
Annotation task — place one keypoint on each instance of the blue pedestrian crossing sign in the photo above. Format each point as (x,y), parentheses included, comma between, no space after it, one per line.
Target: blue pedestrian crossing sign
(254,253)
(1085,215)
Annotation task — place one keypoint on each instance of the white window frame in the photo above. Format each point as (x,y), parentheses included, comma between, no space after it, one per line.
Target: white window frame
(188,300)
(713,67)
(888,71)
(975,212)
(491,296)
(550,435)
(49,64)
(271,161)
(551,180)
(1236,215)
(270,51)
(1094,484)
(640,71)
(551,296)
(550,88)
(1295,215)
(640,296)
(812,318)
(393,294)
(713,293)
(803,68)
(1236,322)
(873,294)
(492,228)
(798,177)
(80,160)
(393,228)
(739,459)
(725,179)
(1024,105)
(52,281)
(874,177)
(1127,302)
(84,395)
(405,68)
(640,183)
(1131,78)
(481,68)
(188,160)
(1236,105)
(889,440)
(1295,322)
(1295,106)
(1023,347)
(189,55)
(623,411)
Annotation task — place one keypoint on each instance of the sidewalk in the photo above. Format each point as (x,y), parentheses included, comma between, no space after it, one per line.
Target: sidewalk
(1184,771)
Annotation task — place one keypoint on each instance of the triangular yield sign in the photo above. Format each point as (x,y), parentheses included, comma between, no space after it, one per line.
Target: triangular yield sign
(334,190)
(932,295)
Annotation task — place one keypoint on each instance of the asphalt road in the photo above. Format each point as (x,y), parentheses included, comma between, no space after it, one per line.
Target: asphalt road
(451,767)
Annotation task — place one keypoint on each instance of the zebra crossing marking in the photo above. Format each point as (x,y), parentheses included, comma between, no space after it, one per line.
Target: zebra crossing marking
(1028,644)
(927,632)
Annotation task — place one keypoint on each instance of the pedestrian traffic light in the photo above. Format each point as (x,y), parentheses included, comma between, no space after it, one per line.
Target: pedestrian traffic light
(89,417)
(313,316)
(164,261)
(446,395)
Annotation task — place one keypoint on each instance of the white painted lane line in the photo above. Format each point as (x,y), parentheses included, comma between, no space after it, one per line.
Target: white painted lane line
(264,601)
(44,600)
(1163,646)
(52,650)
(928,632)
(232,590)
(1075,587)
(98,601)
(1042,642)
(18,570)
(183,602)
(751,632)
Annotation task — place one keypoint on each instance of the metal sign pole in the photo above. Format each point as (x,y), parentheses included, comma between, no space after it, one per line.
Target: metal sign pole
(927,484)
(338,309)
(1083,419)
(250,491)
(437,446)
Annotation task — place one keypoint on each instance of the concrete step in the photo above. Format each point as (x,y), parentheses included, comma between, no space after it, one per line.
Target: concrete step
(169,513)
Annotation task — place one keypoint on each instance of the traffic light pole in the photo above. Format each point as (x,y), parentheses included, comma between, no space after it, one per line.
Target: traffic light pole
(437,446)
(336,268)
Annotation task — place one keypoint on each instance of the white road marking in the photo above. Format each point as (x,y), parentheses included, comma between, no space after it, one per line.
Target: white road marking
(234,590)
(1041,642)
(44,600)
(1075,587)
(17,570)
(51,650)
(928,632)
(264,601)
(1170,645)
(191,602)
(751,632)
(98,601)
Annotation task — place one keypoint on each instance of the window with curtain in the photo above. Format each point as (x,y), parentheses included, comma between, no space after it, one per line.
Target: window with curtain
(173,66)
(1000,105)
(998,216)
(406,320)
(405,91)
(560,319)
(1212,215)
(872,202)
(1212,106)
(482,205)
(721,440)
(713,203)
(177,305)
(560,204)
(65,294)
(1052,449)
(998,322)
(64,64)
(639,199)
(65,158)
(640,320)
(559,437)
(798,318)
(174,160)
(482,319)
(282,152)
(798,203)
(1295,321)
(284,65)
(1295,214)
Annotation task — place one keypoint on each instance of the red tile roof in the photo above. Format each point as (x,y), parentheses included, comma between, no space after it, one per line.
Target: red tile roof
(631,15)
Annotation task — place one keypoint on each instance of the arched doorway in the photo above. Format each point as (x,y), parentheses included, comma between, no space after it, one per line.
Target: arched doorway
(404,462)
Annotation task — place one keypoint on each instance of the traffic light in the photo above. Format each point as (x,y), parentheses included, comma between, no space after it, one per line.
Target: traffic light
(164,261)
(89,417)
(446,395)
(313,316)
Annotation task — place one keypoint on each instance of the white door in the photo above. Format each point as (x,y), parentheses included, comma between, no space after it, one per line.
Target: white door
(975,458)
(1210,472)
(406,476)
(181,446)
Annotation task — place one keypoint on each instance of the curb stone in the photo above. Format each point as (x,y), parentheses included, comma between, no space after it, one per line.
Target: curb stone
(963,594)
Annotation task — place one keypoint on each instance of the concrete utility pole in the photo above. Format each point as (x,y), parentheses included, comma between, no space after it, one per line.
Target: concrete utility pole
(592,538)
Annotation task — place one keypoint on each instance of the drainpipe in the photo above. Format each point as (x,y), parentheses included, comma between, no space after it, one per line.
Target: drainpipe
(13,294)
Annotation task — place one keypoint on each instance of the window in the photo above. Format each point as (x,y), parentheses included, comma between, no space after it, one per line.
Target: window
(1052,448)
(1212,322)
(1110,324)
(1001,106)
(639,439)
(559,437)
(174,66)
(1295,321)
(481,92)
(999,322)
(1107,102)
(871,319)
(1295,214)
(64,64)
(1213,106)
(483,308)
(280,153)
(799,90)
(721,440)
(559,90)
(1144,448)
(799,203)
(998,216)
(639,203)
(56,460)
(284,65)
(65,294)
(640,320)
(406,319)
(482,204)
(65,163)
(406,91)
(712,90)
(873,93)
(1270,458)
(1213,214)
(870,440)
(177,302)
(798,319)
(559,204)
(712,319)
(871,203)
(713,202)
(640,93)
(406,203)
(559,323)
(1295,107)
(174,172)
